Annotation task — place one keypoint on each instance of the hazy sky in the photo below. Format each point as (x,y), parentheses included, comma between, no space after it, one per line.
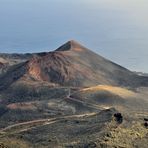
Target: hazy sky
(116,29)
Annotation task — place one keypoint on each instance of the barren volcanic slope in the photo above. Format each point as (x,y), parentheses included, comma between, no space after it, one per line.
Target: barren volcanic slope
(72,65)
(71,98)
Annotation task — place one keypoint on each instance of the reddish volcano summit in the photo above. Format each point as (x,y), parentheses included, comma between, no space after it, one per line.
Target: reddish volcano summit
(71,45)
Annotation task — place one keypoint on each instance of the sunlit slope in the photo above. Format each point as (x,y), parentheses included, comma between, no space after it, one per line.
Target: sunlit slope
(110,95)
(122,92)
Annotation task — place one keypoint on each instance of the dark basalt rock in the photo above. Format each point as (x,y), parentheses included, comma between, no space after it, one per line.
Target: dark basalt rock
(118,117)
(146,124)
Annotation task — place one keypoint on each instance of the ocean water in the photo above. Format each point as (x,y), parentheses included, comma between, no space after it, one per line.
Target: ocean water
(115,29)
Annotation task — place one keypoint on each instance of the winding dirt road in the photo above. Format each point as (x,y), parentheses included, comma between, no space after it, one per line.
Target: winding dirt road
(39,122)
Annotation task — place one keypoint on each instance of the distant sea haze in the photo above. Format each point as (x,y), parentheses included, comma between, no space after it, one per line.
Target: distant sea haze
(117,30)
